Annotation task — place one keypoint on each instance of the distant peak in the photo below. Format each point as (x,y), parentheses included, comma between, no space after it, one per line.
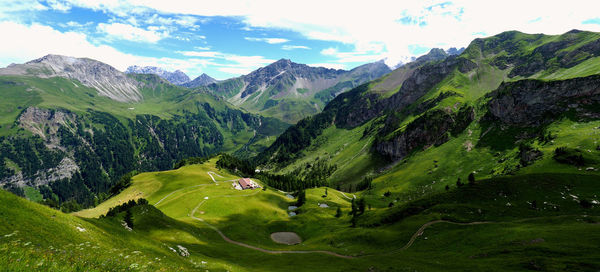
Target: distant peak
(574,31)
(54,58)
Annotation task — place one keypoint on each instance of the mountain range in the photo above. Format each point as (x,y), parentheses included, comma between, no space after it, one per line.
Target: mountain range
(74,126)
(178,77)
(290,91)
(482,158)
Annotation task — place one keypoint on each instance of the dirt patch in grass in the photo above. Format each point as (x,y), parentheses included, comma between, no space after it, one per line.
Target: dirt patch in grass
(288,238)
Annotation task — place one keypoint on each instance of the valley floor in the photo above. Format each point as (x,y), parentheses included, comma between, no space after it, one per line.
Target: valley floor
(197,220)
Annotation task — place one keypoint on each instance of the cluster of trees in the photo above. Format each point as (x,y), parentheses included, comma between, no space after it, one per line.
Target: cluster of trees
(189,161)
(308,176)
(365,184)
(112,212)
(289,145)
(29,154)
(107,150)
(123,183)
(569,156)
(126,207)
(358,208)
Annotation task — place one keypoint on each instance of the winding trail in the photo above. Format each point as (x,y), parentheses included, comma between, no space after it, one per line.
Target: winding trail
(165,197)
(353,196)
(410,242)
(228,240)
(422,229)
(211,173)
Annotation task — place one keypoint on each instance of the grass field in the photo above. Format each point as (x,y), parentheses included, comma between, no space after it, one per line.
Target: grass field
(557,234)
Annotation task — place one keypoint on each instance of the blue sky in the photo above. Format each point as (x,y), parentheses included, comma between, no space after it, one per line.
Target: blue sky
(229,38)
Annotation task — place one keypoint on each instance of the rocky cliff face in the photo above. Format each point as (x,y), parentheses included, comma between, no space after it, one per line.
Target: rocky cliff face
(284,73)
(201,80)
(290,91)
(107,80)
(178,77)
(433,128)
(533,102)
(414,87)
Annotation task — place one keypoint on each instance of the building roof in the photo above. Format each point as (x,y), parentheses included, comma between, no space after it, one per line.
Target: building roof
(245,182)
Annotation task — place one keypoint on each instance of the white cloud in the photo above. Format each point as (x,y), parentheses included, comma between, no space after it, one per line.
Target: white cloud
(9,8)
(204,54)
(267,40)
(230,63)
(354,56)
(393,25)
(59,5)
(76,44)
(73,24)
(132,33)
(292,47)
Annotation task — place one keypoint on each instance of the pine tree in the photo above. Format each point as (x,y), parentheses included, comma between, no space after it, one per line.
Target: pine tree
(338,212)
(128,218)
(301,198)
(471,178)
(361,205)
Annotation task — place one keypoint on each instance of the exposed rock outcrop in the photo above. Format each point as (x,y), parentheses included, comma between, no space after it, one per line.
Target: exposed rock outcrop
(178,77)
(433,128)
(414,87)
(107,80)
(201,80)
(533,102)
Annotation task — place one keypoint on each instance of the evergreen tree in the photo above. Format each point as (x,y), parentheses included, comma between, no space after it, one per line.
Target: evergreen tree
(301,198)
(338,212)
(128,218)
(361,205)
(458,183)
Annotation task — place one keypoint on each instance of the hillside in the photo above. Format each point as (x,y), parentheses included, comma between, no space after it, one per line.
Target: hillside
(193,222)
(465,113)
(290,91)
(64,138)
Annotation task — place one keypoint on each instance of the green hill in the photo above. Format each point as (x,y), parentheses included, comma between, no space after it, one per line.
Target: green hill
(72,142)
(515,223)
(457,111)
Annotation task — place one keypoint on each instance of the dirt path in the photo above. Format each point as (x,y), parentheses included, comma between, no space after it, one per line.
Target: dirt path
(228,240)
(165,197)
(211,173)
(422,229)
(353,196)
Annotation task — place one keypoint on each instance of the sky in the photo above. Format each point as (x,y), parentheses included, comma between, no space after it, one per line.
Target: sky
(227,38)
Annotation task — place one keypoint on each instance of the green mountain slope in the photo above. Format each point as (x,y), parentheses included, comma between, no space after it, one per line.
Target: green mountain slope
(468,100)
(290,91)
(73,143)
(500,224)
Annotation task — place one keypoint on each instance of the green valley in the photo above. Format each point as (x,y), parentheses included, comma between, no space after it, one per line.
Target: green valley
(485,159)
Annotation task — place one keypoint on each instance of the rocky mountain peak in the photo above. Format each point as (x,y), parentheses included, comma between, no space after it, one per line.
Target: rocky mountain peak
(201,80)
(178,77)
(107,80)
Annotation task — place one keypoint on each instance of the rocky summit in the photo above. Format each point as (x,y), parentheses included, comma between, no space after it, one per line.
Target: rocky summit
(107,80)
(201,80)
(178,77)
